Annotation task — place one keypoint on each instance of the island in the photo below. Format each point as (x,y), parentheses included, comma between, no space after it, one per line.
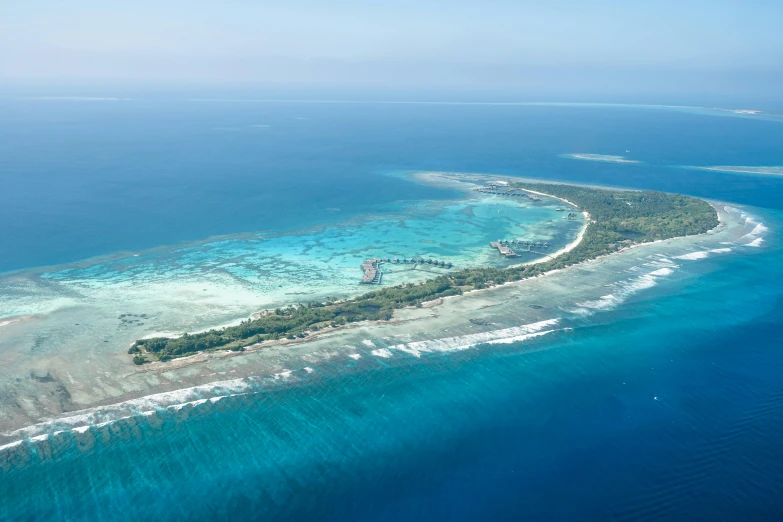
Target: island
(616,219)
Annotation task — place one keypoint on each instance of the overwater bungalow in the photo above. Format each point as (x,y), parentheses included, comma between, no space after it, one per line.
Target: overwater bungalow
(372,272)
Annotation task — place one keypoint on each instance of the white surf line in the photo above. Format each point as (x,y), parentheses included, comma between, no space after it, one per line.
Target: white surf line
(703,254)
(87,427)
(99,416)
(755,235)
(152,402)
(464,342)
(382,352)
(623,289)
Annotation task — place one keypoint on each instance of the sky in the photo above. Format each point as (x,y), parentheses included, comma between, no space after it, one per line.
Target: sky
(712,46)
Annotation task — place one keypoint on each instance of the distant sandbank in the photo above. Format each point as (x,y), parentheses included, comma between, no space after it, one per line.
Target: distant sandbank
(606,158)
(765,171)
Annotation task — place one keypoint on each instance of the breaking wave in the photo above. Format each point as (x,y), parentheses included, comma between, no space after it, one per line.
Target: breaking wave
(464,342)
(755,236)
(703,254)
(102,416)
(624,289)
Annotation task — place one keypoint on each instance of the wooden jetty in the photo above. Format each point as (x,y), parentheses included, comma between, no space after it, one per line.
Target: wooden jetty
(503,191)
(372,272)
(503,246)
(503,249)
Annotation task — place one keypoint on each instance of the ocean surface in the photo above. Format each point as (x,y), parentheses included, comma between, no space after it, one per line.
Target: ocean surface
(666,405)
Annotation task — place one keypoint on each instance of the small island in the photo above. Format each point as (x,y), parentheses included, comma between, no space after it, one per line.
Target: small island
(618,219)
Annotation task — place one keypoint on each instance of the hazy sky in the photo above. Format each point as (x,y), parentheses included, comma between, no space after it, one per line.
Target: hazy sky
(456,44)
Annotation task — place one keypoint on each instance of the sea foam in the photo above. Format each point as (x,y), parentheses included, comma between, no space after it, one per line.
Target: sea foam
(464,342)
(703,254)
(624,289)
(83,420)
(755,235)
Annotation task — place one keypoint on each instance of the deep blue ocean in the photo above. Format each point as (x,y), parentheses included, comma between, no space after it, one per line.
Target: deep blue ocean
(668,408)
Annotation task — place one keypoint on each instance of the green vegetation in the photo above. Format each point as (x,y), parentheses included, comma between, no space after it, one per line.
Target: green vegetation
(618,219)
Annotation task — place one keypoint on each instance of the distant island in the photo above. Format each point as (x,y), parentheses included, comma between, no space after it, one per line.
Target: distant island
(607,158)
(617,220)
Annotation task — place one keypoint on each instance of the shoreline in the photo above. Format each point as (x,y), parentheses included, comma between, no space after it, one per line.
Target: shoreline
(570,246)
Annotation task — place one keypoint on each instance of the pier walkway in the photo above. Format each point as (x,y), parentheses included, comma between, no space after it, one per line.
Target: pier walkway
(501,191)
(372,272)
(504,247)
